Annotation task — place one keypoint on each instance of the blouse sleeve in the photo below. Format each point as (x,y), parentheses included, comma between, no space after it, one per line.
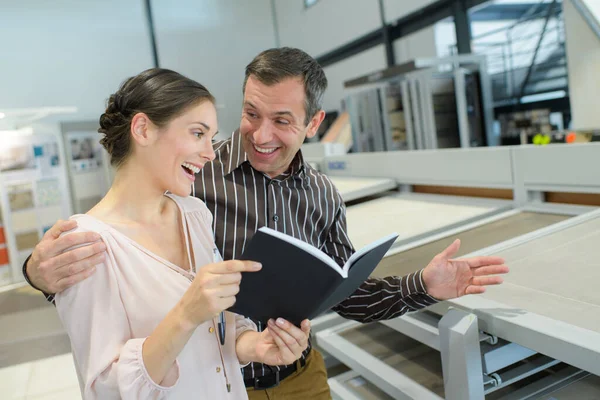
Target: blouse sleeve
(242,325)
(109,360)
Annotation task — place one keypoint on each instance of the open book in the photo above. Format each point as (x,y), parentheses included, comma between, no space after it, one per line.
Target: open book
(299,281)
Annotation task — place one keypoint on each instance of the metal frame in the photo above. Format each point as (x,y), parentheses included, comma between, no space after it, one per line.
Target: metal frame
(339,391)
(461,105)
(461,356)
(394,383)
(416,107)
(407,106)
(402,27)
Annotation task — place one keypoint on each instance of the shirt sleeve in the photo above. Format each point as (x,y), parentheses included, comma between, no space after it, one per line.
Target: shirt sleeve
(338,245)
(108,359)
(377,298)
(386,298)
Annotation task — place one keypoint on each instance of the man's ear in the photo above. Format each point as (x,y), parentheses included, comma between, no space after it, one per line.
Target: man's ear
(315,122)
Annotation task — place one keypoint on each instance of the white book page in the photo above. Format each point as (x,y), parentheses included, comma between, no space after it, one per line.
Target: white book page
(358,254)
(306,247)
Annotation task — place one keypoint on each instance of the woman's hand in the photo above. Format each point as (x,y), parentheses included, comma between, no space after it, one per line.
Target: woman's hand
(281,343)
(213,290)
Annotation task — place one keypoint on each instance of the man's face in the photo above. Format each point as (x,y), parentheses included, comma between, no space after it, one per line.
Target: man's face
(272,126)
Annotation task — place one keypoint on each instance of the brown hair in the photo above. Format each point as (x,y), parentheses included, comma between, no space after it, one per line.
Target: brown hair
(159,93)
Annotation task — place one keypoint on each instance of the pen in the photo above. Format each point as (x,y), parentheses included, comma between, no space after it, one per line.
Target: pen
(221,325)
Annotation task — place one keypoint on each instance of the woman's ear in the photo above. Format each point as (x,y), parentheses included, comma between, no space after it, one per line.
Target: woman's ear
(143,131)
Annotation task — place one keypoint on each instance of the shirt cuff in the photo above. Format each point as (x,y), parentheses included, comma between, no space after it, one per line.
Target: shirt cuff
(49,297)
(421,288)
(131,367)
(243,325)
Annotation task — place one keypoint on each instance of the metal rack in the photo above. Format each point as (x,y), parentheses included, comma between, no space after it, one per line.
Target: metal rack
(423,104)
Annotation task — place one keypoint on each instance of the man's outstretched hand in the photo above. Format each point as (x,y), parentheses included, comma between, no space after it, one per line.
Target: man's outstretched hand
(447,278)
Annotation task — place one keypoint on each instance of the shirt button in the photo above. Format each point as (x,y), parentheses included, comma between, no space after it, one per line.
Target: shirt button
(275,218)
(211,329)
(218,369)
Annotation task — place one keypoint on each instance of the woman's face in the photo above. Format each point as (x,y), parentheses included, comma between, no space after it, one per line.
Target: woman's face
(180,150)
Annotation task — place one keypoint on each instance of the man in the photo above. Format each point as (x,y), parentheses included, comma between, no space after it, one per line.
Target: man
(259,178)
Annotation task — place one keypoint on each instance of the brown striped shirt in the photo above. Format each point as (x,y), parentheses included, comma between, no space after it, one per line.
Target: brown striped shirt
(302,203)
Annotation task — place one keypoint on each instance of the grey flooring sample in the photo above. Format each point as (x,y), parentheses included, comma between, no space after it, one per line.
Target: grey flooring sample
(471,240)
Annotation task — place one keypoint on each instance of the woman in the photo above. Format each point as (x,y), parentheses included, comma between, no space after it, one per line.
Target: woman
(143,326)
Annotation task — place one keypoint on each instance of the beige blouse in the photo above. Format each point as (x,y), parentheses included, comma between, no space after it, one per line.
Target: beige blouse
(109,315)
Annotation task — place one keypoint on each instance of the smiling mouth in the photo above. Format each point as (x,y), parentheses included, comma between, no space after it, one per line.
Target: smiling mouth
(190,169)
(265,150)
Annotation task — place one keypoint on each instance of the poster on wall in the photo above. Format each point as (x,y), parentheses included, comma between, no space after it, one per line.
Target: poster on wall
(46,156)
(34,194)
(48,193)
(20,196)
(86,154)
(16,158)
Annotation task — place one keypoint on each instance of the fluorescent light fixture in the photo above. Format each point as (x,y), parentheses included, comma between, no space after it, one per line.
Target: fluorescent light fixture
(557,94)
(2,115)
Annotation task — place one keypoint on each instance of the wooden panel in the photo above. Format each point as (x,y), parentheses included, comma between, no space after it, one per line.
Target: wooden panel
(586,199)
(465,191)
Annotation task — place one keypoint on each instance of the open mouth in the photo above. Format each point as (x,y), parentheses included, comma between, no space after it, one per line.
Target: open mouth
(190,169)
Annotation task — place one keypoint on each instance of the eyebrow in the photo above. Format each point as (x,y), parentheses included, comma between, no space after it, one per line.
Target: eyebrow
(278,113)
(205,126)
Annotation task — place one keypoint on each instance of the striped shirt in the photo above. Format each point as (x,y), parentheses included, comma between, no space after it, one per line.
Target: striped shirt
(302,203)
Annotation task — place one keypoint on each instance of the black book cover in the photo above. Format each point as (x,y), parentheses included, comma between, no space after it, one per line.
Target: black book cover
(296,282)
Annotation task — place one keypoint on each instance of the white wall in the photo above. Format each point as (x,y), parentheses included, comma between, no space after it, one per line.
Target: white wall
(352,67)
(76,53)
(583,61)
(212,41)
(326,25)
(395,9)
(421,44)
(70,52)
